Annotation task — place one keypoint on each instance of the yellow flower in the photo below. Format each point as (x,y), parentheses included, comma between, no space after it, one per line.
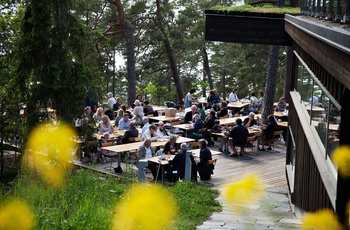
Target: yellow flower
(145,207)
(322,219)
(341,156)
(246,190)
(51,150)
(15,214)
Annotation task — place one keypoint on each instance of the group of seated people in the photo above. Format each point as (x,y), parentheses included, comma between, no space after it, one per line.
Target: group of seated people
(175,170)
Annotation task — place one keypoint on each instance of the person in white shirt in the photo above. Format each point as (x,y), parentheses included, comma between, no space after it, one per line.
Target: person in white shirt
(138,112)
(162,132)
(105,125)
(150,134)
(146,151)
(145,122)
(233,96)
(110,100)
(254,104)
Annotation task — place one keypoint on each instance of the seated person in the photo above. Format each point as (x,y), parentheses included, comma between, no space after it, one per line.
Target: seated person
(189,115)
(146,151)
(314,101)
(98,115)
(261,100)
(199,124)
(254,103)
(147,108)
(268,133)
(131,132)
(213,100)
(146,124)
(233,96)
(105,125)
(223,110)
(117,104)
(204,169)
(239,134)
(171,146)
(178,164)
(201,111)
(217,129)
(150,134)
(119,116)
(250,120)
(162,132)
(124,123)
(281,105)
(210,119)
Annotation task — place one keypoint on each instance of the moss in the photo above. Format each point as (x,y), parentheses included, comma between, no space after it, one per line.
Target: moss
(268,8)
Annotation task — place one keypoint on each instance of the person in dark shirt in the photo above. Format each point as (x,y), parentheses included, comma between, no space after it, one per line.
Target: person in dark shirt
(268,133)
(204,169)
(209,120)
(131,132)
(223,110)
(171,146)
(189,115)
(239,135)
(250,120)
(147,108)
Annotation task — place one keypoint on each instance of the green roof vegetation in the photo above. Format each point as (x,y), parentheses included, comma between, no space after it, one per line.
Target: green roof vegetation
(267,8)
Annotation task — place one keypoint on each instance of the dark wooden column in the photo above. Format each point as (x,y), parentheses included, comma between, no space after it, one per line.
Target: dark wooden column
(343,186)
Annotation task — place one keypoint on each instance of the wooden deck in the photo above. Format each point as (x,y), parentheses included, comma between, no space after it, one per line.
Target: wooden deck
(269,165)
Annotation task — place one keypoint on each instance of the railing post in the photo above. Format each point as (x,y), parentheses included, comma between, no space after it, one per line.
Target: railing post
(309,4)
(313,9)
(346,18)
(330,10)
(338,14)
(188,166)
(318,9)
(324,9)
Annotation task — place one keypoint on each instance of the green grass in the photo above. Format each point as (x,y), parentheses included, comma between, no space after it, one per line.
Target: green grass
(88,200)
(268,8)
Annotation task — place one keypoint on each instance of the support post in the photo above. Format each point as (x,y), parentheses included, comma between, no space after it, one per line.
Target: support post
(188,166)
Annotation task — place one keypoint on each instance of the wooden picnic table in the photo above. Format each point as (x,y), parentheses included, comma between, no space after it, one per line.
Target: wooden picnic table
(237,104)
(165,118)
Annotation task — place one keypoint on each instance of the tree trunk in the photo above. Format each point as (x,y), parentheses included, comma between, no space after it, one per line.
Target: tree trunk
(271,80)
(288,79)
(130,50)
(130,54)
(170,54)
(206,68)
(2,161)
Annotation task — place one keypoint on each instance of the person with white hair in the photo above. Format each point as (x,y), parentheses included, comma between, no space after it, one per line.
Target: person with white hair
(110,100)
(251,121)
(189,115)
(145,122)
(138,112)
(162,132)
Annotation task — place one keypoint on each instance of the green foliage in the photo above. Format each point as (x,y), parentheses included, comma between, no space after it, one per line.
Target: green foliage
(88,200)
(196,204)
(268,8)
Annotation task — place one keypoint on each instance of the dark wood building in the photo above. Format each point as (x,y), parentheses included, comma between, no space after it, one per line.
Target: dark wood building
(320,100)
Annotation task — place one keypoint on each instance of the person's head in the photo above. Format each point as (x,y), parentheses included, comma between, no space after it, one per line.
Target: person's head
(99,111)
(87,110)
(215,91)
(161,125)
(223,104)
(212,113)
(261,94)
(217,122)
(211,92)
(132,124)
(105,119)
(184,147)
(120,113)
(152,128)
(192,91)
(119,100)
(126,116)
(239,121)
(147,143)
(137,102)
(281,99)
(235,91)
(252,115)
(202,143)
(146,102)
(253,94)
(194,108)
(109,95)
(145,120)
(123,107)
(271,118)
(196,117)
(139,97)
(200,105)
(172,139)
